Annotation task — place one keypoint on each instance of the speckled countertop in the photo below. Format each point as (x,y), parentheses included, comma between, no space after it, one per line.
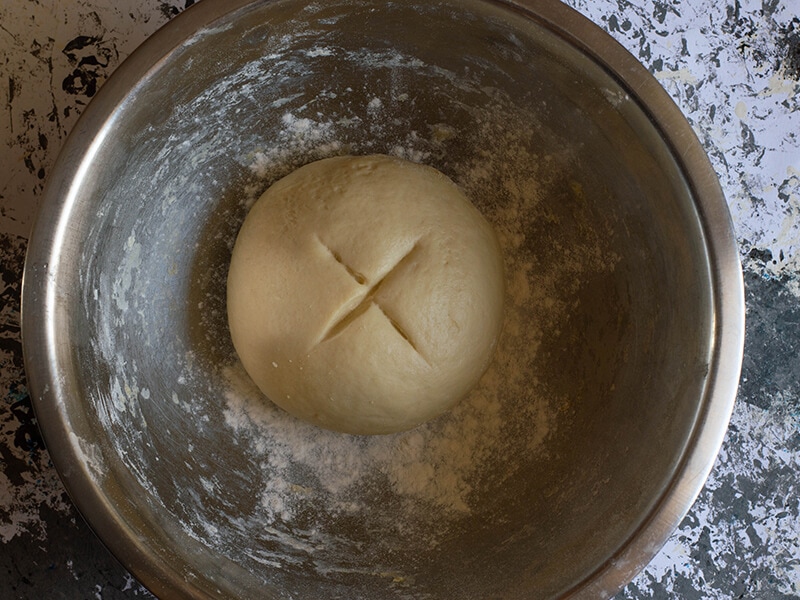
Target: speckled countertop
(732,66)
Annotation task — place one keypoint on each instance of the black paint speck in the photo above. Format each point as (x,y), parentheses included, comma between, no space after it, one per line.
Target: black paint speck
(90,56)
(791,41)
(80,81)
(749,144)
(12,89)
(763,256)
(168,10)
(78,43)
(645,49)
(769,7)
(661,8)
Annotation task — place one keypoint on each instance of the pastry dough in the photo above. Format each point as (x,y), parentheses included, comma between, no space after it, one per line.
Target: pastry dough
(365,294)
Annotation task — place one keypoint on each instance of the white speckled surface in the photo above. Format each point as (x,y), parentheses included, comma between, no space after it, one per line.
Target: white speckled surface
(732,66)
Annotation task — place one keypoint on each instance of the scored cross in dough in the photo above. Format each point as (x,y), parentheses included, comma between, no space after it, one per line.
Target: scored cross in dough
(367,300)
(365,294)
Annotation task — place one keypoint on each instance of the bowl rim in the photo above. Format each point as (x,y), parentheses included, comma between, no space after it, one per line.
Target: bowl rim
(40,299)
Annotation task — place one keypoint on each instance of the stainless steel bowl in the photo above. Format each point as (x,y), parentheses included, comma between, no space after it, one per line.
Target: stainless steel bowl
(582,447)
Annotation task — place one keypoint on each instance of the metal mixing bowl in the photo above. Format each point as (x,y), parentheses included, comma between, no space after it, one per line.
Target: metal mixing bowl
(586,441)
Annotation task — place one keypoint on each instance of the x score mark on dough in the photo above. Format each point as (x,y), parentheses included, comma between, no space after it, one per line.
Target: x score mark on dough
(368,298)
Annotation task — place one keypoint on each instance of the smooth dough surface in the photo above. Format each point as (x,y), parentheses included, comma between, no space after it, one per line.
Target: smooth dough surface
(365,294)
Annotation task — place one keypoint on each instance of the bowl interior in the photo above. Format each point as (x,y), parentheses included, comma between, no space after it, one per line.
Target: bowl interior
(561,453)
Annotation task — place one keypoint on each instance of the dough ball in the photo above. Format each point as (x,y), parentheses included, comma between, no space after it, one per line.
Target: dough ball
(365,294)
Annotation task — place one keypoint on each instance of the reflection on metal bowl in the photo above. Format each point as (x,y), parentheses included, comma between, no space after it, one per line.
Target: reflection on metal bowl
(585,442)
